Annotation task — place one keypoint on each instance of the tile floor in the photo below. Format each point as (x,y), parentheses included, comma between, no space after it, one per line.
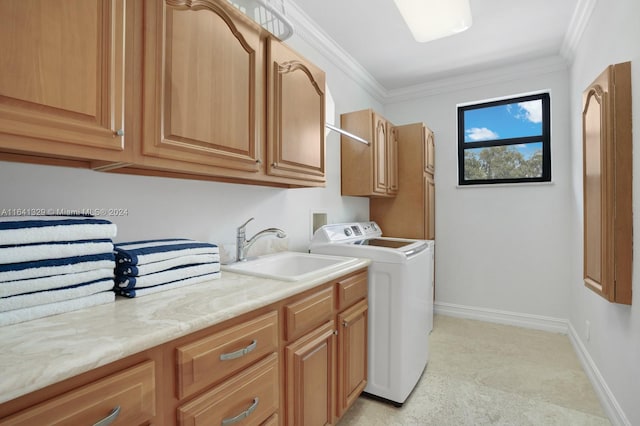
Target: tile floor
(482,373)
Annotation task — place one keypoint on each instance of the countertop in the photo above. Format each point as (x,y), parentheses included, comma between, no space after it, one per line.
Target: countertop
(41,352)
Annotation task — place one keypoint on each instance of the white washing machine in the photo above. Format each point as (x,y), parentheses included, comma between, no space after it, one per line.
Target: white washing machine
(400,303)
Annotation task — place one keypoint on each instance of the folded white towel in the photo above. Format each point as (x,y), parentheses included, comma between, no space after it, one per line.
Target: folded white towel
(164,287)
(163,265)
(33,252)
(164,277)
(34,312)
(22,301)
(149,251)
(44,229)
(13,288)
(47,268)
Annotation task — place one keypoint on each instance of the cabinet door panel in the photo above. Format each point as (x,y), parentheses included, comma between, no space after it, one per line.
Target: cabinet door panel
(352,355)
(62,76)
(296,115)
(430,208)
(379,154)
(310,383)
(201,96)
(392,160)
(430,153)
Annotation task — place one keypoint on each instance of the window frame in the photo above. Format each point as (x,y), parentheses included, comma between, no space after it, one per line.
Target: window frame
(545,138)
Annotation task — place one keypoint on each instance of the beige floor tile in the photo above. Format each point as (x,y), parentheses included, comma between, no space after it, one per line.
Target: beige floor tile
(490,374)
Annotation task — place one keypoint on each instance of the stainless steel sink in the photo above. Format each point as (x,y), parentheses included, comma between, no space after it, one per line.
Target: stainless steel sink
(290,266)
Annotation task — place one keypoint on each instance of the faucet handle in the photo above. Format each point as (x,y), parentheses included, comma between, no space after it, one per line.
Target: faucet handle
(241,227)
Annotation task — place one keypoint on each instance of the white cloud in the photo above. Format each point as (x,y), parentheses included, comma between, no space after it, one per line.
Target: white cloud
(531,111)
(481,134)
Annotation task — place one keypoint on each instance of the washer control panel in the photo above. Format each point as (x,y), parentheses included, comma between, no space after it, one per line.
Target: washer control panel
(345,232)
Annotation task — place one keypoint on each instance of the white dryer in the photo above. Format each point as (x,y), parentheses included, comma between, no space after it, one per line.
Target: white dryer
(400,303)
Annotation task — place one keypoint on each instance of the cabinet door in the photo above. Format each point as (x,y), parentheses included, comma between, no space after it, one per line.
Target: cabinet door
(392,160)
(430,152)
(352,355)
(295,132)
(379,155)
(430,207)
(62,77)
(310,383)
(607,184)
(202,84)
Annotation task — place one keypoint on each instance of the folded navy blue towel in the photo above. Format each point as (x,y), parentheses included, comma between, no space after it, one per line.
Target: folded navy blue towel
(168,276)
(164,265)
(137,292)
(149,251)
(44,229)
(53,250)
(50,267)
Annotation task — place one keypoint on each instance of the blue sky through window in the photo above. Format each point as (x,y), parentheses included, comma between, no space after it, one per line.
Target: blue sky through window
(513,120)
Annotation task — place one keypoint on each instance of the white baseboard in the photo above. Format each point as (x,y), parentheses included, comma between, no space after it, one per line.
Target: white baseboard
(538,322)
(555,325)
(606,397)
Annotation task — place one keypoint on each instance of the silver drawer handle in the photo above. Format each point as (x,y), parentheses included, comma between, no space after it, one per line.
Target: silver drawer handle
(110,418)
(239,352)
(243,415)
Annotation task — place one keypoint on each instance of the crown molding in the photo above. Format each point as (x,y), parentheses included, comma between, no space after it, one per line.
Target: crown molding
(474,78)
(312,34)
(579,20)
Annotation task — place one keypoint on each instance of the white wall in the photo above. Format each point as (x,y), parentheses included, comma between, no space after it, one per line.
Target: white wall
(500,248)
(209,211)
(612,36)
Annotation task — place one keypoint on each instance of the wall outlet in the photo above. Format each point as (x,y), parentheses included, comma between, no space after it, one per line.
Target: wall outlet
(587,329)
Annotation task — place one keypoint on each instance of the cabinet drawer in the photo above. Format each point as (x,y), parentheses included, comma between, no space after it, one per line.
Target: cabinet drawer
(308,313)
(251,397)
(132,390)
(352,289)
(205,361)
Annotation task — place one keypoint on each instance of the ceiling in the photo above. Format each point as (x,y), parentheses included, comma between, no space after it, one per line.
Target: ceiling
(504,32)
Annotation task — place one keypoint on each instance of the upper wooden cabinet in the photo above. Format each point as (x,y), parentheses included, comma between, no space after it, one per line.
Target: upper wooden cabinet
(607,180)
(369,170)
(62,82)
(158,87)
(296,108)
(411,213)
(202,86)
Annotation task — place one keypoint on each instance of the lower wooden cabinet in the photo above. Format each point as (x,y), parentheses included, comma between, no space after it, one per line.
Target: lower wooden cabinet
(127,397)
(310,377)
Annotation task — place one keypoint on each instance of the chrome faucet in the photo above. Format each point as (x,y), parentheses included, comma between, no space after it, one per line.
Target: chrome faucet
(243,245)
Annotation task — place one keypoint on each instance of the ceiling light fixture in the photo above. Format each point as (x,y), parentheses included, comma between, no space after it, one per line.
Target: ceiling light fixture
(432,19)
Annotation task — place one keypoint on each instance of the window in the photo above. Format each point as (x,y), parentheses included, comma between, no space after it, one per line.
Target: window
(505,141)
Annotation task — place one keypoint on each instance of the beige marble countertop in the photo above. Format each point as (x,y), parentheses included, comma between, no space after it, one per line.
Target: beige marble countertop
(41,352)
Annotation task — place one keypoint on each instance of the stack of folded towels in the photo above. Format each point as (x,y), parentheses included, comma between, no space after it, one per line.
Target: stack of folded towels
(54,264)
(146,267)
